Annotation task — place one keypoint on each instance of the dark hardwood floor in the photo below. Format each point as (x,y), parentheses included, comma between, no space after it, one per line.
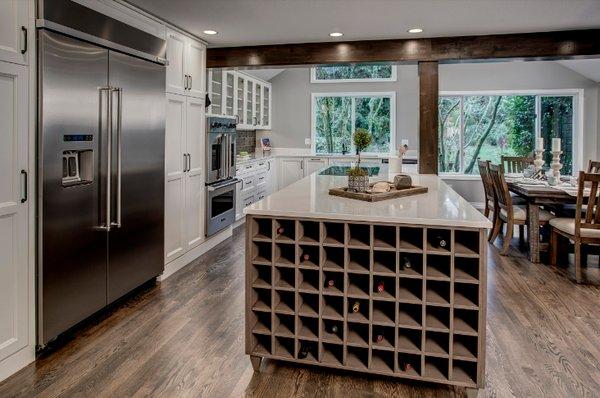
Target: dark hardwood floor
(184,338)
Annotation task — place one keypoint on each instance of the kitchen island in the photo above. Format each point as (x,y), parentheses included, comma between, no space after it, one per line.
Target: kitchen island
(395,288)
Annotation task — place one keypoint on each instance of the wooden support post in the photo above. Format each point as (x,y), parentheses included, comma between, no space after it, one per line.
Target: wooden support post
(428,117)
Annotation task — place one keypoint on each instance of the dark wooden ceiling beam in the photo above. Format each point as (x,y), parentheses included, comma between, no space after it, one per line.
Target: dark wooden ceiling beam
(543,45)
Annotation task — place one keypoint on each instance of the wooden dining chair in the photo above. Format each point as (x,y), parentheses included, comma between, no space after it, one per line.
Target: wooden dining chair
(593,166)
(491,204)
(509,213)
(584,229)
(515,164)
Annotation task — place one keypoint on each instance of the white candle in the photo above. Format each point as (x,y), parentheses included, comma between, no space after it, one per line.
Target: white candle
(555,144)
(540,144)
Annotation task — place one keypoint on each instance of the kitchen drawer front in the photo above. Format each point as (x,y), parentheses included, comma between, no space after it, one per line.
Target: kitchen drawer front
(261,180)
(261,165)
(248,200)
(249,183)
(260,195)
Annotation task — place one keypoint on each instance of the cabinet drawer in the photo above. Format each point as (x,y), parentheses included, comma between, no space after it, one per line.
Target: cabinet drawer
(261,179)
(261,165)
(248,200)
(245,168)
(249,182)
(260,195)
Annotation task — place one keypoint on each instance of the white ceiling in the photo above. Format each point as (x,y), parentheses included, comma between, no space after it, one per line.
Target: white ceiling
(589,68)
(254,22)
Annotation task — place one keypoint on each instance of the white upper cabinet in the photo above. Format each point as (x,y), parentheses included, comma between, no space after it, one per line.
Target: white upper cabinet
(238,95)
(15,35)
(176,76)
(187,60)
(195,65)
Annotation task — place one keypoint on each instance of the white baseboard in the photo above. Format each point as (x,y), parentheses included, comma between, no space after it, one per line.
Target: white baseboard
(180,262)
(16,361)
(239,222)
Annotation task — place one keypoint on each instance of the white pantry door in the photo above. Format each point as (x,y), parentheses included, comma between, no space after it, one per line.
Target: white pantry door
(14,207)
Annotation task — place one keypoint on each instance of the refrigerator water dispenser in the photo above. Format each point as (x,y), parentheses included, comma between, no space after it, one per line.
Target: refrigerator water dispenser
(77,167)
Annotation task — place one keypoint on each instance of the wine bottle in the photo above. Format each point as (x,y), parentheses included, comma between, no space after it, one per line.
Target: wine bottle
(378,338)
(330,283)
(405,263)
(303,353)
(306,256)
(381,287)
(280,230)
(439,241)
(405,367)
(332,328)
(356,306)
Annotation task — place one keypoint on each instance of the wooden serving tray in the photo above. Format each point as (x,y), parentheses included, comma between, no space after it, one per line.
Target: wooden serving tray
(376,197)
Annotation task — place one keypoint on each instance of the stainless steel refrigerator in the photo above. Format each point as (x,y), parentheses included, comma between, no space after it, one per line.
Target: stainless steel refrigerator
(101,167)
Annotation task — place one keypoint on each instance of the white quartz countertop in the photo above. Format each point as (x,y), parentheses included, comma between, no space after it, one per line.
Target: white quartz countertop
(309,198)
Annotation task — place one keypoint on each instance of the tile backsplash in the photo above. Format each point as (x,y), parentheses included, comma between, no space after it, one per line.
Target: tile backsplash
(246,141)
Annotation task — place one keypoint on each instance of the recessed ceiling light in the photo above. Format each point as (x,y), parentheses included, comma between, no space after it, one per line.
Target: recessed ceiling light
(336,34)
(415,30)
(210,32)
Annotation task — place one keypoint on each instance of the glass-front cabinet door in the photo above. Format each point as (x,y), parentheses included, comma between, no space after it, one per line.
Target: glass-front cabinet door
(257,104)
(216,92)
(240,89)
(249,102)
(229,94)
(266,108)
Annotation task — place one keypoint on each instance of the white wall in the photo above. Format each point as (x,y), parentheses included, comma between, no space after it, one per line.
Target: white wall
(292,90)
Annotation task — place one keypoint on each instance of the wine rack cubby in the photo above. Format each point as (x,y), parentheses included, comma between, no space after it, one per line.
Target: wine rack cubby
(399,303)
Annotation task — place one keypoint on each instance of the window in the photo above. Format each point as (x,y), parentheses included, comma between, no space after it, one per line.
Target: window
(353,73)
(335,117)
(489,126)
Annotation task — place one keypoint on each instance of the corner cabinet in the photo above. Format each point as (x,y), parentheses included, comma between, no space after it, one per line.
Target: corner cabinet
(236,94)
(184,175)
(16,38)
(187,63)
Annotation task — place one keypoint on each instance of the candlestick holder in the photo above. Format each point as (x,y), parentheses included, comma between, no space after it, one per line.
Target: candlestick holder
(556,165)
(538,161)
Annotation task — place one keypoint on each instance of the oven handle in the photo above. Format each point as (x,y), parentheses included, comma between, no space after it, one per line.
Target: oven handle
(213,188)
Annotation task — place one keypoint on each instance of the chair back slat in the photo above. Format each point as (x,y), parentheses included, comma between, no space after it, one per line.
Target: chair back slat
(515,164)
(488,186)
(592,215)
(594,166)
(501,188)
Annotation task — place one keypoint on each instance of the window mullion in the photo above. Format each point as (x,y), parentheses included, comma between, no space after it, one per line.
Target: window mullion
(352,124)
(462,136)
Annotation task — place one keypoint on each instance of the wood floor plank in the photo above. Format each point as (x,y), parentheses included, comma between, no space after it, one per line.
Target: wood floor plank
(184,338)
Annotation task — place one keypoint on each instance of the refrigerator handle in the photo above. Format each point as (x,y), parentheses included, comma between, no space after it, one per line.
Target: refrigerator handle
(101,114)
(119,92)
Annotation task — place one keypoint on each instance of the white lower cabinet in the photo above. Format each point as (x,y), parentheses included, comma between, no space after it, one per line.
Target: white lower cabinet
(184,174)
(256,183)
(314,164)
(290,170)
(16,271)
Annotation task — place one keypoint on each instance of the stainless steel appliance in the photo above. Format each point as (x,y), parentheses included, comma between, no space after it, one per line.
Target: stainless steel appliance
(101,163)
(220,177)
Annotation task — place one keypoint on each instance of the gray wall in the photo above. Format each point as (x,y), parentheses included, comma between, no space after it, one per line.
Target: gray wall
(292,95)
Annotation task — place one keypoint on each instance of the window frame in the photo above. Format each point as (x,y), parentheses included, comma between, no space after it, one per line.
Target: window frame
(393,78)
(578,115)
(384,94)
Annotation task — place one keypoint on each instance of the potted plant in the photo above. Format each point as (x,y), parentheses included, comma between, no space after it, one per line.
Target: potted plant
(358,178)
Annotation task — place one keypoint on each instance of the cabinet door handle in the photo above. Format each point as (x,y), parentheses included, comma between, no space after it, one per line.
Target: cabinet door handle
(302,165)
(191,83)
(25,188)
(269,166)
(184,162)
(25,44)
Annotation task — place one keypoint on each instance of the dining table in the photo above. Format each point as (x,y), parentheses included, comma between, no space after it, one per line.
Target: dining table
(538,194)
